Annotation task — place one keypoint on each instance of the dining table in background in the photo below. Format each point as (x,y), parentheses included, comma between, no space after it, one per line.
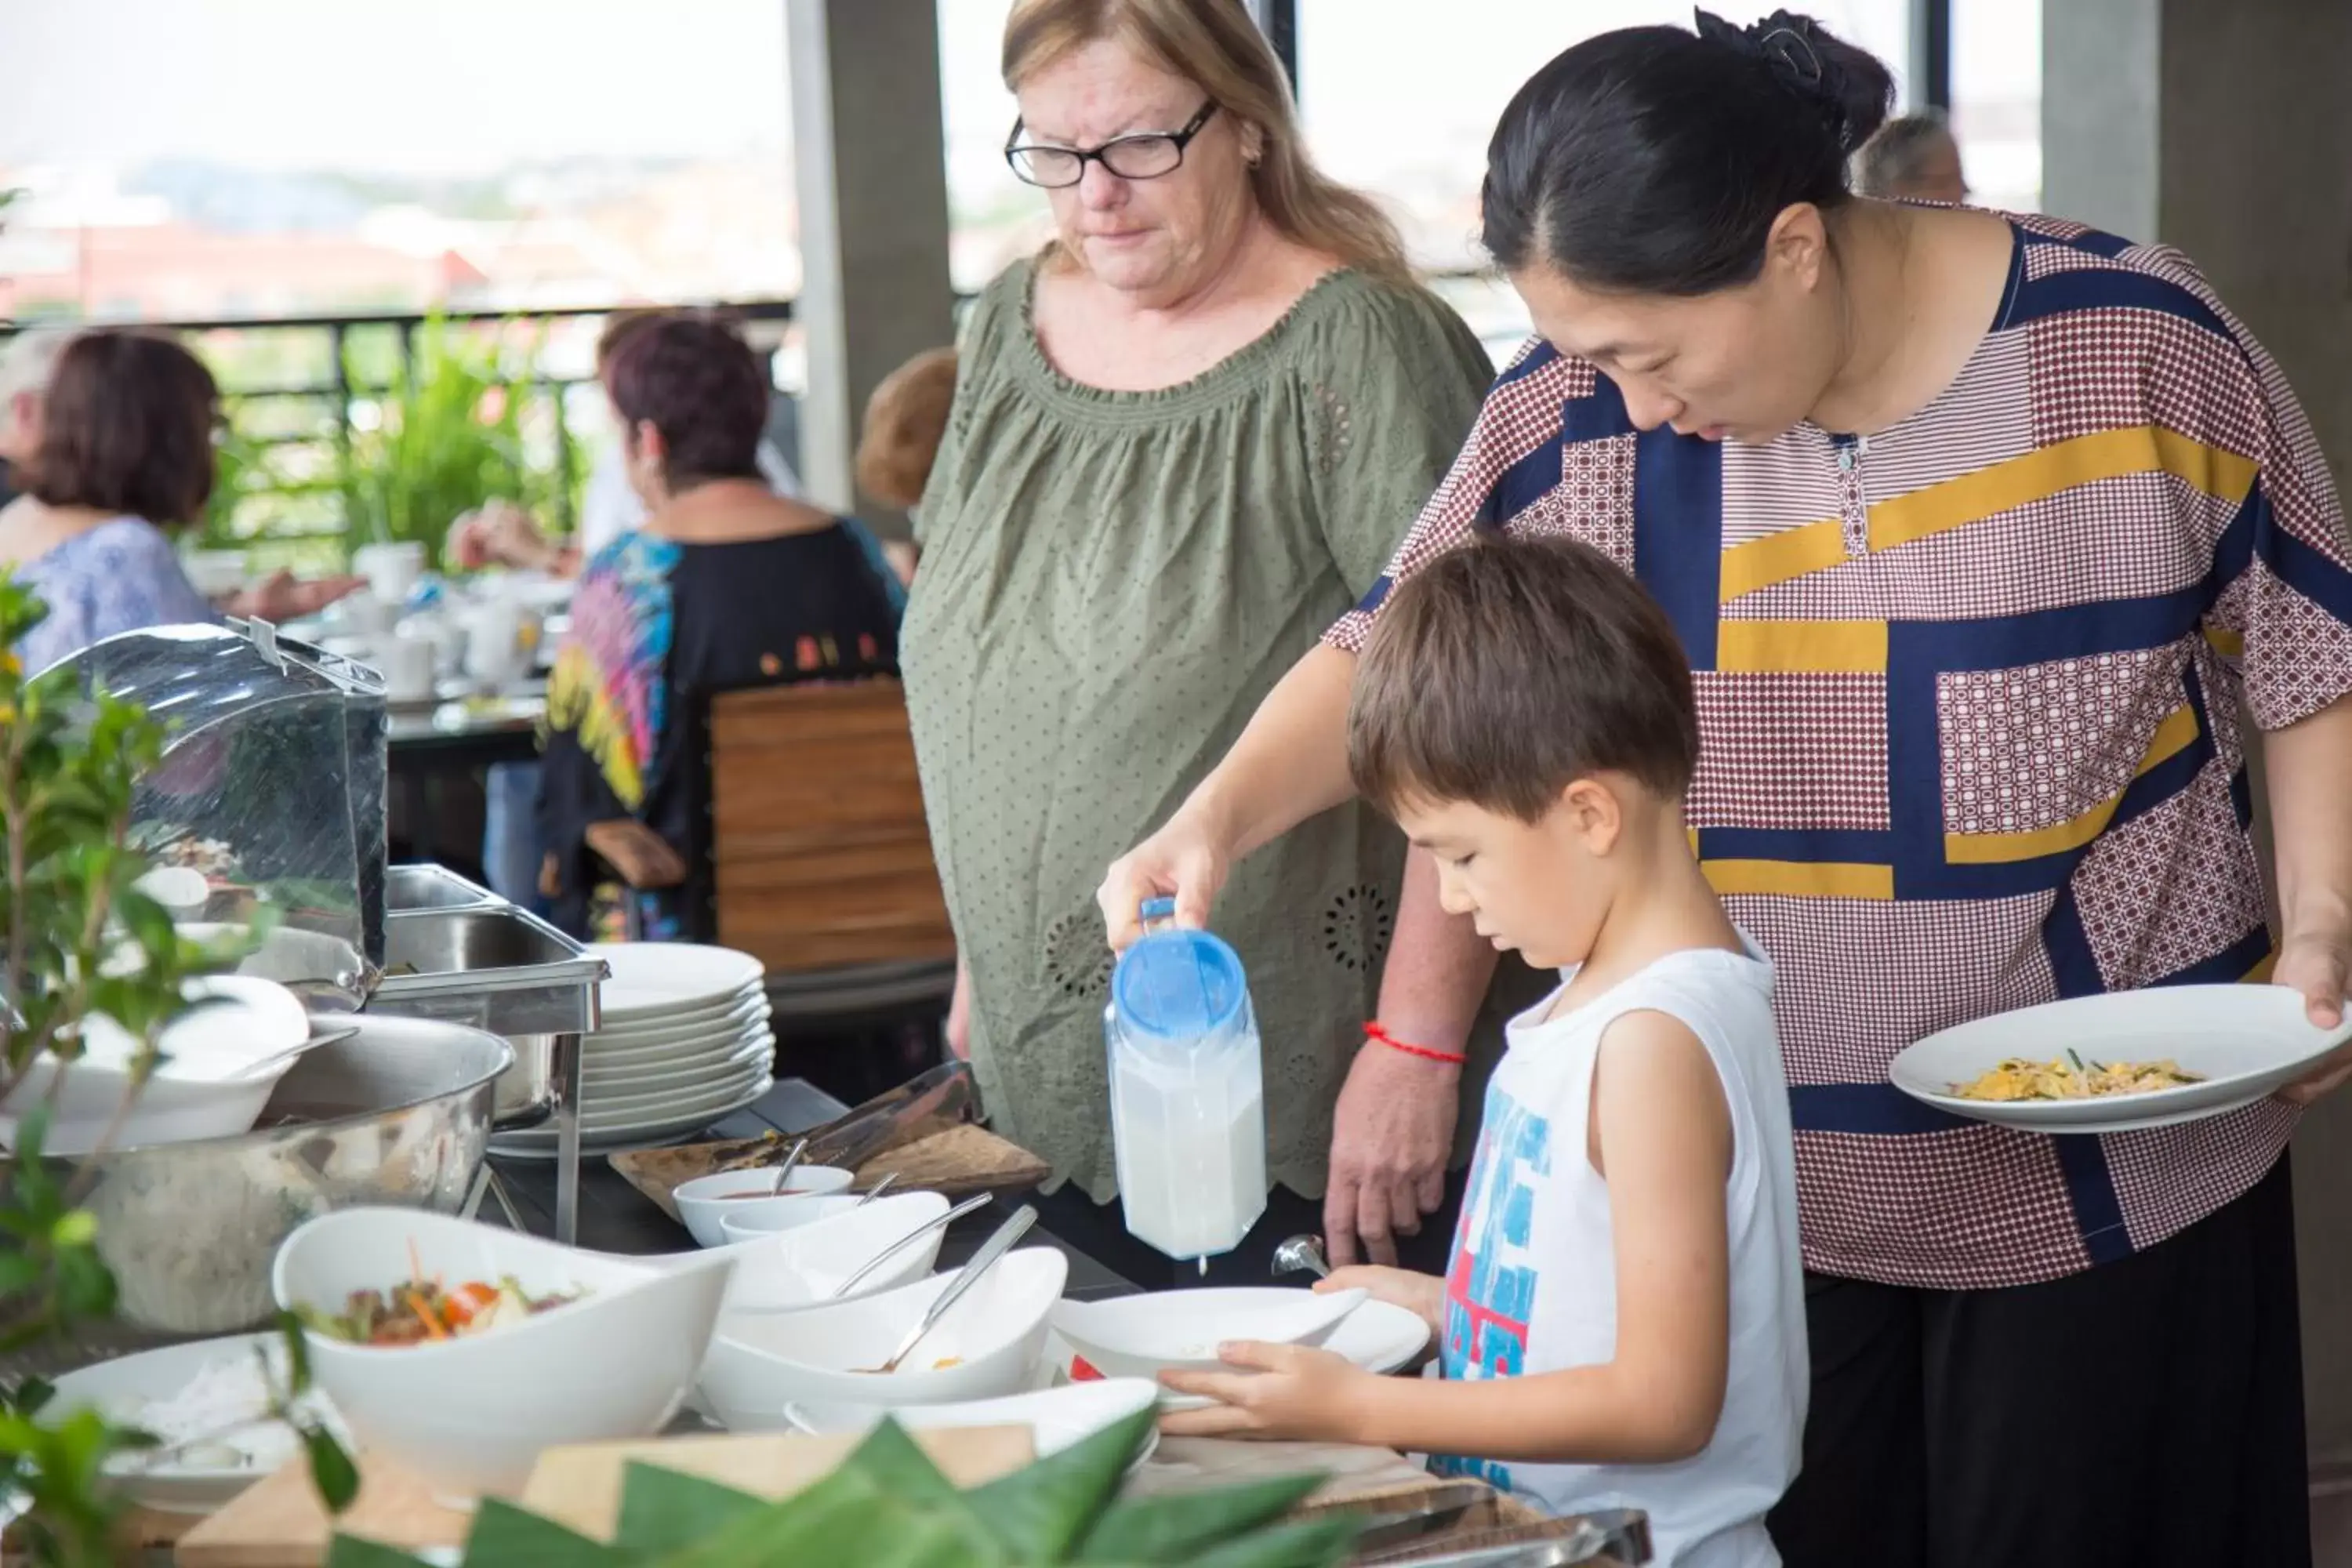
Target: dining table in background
(437,759)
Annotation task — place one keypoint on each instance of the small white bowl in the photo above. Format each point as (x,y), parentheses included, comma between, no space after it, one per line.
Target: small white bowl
(760,1362)
(1142,1336)
(1057,1418)
(471,1415)
(778,1215)
(704,1202)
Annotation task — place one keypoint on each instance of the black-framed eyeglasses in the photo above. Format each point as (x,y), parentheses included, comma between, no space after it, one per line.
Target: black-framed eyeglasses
(1145,157)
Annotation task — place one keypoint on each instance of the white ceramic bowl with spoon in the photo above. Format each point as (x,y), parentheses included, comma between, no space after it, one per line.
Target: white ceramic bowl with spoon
(222,1060)
(989,1345)
(805,1265)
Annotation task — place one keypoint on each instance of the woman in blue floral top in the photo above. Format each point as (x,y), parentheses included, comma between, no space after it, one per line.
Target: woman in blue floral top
(120,437)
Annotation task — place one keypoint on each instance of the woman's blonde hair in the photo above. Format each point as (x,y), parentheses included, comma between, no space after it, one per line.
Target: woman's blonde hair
(1216,46)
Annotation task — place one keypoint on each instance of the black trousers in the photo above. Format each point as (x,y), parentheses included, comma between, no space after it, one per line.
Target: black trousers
(1099,1230)
(2146,1414)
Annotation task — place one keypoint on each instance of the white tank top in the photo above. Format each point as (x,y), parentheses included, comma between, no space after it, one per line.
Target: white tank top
(1533,1283)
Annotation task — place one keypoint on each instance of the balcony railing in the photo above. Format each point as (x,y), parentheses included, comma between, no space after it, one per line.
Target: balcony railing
(299,391)
(296,391)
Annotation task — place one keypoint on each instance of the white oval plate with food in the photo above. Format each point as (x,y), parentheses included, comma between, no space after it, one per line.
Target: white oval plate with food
(2241,1043)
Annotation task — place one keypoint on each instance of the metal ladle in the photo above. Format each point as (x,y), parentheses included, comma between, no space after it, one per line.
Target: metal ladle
(1302,1255)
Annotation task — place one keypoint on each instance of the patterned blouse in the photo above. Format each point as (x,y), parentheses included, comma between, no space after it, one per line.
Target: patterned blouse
(1968,695)
(120,576)
(658,629)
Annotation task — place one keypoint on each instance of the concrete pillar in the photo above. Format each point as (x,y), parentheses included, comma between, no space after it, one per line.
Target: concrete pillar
(2100,113)
(2220,126)
(871,158)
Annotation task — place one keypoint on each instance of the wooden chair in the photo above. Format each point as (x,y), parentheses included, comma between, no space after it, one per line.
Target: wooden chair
(820,849)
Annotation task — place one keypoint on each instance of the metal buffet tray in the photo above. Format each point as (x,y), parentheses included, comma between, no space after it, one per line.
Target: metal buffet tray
(503,970)
(413,889)
(1615,1538)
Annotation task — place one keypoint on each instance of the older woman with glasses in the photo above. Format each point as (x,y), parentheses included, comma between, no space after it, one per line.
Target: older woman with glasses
(1187,433)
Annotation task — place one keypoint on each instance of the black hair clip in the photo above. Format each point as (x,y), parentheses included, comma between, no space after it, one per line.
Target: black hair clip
(1784,41)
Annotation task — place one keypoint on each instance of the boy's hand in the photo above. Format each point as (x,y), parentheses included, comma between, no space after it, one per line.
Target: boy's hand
(1288,1392)
(1422,1295)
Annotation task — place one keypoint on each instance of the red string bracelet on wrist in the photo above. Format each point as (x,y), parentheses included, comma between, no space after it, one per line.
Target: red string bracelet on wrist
(1375,1032)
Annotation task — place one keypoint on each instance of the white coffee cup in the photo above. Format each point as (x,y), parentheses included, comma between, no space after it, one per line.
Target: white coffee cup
(408,666)
(392,570)
(360,614)
(216,574)
(496,656)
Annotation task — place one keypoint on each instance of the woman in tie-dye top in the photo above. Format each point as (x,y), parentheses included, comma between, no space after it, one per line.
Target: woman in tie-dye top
(1978,532)
(729,586)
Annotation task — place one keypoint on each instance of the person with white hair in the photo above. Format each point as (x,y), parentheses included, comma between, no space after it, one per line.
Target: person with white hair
(25,361)
(1914,158)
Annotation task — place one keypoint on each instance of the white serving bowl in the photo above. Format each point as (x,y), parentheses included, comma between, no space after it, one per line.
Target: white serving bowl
(471,1415)
(703,1202)
(218,1073)
(760,1362)
(1057,1418)
(787,1270)
(1142,1336)
(749,1220)
(804,1267)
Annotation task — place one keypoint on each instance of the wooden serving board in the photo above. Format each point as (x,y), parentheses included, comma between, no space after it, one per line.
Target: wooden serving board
(581,1488)
(956,1158)
(280,1523)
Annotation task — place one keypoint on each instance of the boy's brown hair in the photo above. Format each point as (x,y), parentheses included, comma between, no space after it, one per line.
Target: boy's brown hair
(1502,673)
(905,419)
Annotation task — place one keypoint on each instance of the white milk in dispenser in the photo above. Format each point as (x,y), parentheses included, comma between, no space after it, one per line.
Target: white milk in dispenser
(1187,1101)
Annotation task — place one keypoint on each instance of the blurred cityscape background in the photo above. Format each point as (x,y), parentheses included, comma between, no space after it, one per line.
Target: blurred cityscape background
(308,185)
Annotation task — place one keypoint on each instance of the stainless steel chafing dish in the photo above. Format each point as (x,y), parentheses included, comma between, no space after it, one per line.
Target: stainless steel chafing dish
(495,967)
(272,786)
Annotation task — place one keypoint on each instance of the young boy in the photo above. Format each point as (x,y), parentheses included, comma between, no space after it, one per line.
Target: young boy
(1624,1320)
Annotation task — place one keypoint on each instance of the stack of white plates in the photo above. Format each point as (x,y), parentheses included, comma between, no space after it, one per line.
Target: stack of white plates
(685,1041)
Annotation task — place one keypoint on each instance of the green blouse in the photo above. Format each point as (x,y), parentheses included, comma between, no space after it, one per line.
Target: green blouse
(1111,581)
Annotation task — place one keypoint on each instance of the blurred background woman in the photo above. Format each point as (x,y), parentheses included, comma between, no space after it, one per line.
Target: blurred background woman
(727,585)
(115,432)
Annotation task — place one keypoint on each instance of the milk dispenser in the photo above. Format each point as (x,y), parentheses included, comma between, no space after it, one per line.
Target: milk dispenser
(1187,1100)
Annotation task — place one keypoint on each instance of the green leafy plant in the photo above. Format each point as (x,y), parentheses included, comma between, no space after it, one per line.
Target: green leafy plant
(241,469)
(887,1503)
(451,433)
(80,939)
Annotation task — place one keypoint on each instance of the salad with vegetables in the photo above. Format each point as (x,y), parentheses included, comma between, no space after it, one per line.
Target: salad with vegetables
(423,1310)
